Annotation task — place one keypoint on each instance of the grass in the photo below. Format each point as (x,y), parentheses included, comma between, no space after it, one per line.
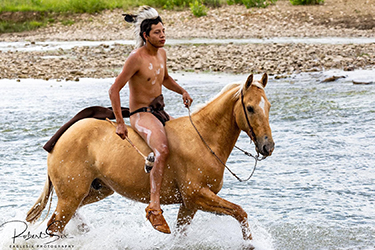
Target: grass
(60,6)
(19,26)
(38,13)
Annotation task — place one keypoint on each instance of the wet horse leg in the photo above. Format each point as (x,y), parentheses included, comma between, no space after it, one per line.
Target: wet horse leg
(210,202)
(185,216)
(70,197)
(98,191)
(64,211)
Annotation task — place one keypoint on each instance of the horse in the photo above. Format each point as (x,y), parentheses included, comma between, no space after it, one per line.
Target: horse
(90,161)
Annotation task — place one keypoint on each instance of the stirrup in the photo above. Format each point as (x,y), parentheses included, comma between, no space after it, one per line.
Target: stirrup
(157,220)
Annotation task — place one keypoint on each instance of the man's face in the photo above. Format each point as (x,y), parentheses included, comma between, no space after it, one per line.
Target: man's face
(157,35)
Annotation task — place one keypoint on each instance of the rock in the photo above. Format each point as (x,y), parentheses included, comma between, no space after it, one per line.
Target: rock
(362,83)
(75,72)
(349,68)
(198,65)
(333,78)
(280,77)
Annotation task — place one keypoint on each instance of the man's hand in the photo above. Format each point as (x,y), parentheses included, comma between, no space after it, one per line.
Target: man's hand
(122,131)
(187,99)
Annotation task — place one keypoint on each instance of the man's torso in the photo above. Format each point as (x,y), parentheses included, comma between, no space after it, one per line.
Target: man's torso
(146,84)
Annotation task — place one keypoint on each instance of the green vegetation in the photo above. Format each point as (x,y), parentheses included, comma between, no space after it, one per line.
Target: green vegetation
(304,2)
(252,3)
(198,9)
(60,6)
(19,26)
(32,14)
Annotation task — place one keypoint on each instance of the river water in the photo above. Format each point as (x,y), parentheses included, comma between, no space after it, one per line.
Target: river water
(317,190)
(54,45)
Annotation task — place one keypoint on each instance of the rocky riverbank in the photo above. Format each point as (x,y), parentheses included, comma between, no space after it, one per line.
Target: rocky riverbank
(336,18)
(106,61)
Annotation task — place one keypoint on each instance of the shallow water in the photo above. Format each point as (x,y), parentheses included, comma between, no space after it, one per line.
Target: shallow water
(54,45)
(317,190)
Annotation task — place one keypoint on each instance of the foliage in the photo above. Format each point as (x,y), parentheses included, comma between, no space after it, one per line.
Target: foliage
(198,9)
(76,6)
(60,7)
(213,3)
(304,2)
(252,3)
(67,22)
(18,27)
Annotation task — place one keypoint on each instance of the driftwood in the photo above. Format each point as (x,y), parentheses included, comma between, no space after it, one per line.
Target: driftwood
(333,78)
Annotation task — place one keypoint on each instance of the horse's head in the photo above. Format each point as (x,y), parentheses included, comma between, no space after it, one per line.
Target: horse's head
(252,114)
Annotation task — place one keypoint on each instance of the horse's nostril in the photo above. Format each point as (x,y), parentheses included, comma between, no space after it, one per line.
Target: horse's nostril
(265,150)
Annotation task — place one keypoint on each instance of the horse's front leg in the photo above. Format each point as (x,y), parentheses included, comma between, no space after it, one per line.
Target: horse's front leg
(185,215)
(208,201)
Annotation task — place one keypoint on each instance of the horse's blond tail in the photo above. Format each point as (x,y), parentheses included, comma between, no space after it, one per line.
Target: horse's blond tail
(36,211)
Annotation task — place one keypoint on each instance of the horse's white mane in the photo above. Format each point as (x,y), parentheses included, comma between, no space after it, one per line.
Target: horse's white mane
(223,90)
(227,88)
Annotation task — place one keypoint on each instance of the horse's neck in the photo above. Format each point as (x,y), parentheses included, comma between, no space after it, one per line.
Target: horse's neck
(217,125)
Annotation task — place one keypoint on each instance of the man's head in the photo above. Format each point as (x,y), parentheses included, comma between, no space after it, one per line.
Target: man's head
(143,23)
(146,26)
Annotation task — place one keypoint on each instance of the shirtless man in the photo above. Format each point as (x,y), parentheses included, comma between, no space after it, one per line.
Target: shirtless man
(146,71)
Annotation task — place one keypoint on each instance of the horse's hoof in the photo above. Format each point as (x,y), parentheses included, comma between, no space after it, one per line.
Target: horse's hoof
(83,228)
(247,246)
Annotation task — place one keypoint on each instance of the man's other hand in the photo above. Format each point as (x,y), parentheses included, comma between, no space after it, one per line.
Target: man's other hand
(122,131)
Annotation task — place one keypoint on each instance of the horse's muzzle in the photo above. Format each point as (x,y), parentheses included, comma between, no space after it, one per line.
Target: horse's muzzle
(265,146)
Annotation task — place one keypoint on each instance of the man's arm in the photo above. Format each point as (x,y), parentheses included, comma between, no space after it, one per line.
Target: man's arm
(171,84)
(130,68)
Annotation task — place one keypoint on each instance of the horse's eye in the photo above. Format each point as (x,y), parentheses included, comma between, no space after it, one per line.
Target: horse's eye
(250,109)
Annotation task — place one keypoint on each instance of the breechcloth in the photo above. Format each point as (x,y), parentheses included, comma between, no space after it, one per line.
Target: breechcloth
(156,108)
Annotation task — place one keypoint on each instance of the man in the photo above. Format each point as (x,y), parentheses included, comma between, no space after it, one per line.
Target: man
(146,71)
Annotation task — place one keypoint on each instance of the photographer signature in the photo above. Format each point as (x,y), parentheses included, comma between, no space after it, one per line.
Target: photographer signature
(25,234)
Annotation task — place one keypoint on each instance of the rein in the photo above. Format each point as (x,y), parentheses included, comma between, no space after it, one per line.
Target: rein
(252,136)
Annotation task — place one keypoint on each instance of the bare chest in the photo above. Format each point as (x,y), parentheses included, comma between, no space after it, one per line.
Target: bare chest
(152,73)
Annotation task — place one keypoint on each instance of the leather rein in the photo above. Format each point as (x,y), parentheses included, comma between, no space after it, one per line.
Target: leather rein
(252,138)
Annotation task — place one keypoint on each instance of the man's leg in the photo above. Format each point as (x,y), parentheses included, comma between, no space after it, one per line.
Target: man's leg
(153,132)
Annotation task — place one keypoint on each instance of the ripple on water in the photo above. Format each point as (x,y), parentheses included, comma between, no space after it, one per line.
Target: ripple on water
(315,192)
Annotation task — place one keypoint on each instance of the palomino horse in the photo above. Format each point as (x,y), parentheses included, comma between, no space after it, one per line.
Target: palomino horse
(90,161)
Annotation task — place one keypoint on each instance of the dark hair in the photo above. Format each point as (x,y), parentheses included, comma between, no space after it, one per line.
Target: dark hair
(146,26)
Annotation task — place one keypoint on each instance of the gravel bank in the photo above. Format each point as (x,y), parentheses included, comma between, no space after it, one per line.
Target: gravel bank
(336,18)
(106,61)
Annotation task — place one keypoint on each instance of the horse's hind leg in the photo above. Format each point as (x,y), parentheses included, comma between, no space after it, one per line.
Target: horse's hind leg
(98,191)
(65,209)
(208,201)
(69,199)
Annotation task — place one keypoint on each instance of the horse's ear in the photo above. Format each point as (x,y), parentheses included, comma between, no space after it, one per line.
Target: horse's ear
(249,81)
(264,80)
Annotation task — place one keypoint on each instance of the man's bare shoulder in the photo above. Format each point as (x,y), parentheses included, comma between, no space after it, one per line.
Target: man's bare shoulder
(163,52)
(135,56)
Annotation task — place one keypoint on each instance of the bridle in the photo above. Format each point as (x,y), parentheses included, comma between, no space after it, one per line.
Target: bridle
(252,138)
(251,130)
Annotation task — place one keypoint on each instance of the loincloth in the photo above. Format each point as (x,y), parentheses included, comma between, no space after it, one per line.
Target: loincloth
(156,108)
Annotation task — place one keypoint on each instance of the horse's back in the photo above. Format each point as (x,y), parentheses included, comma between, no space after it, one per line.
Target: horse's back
(91,147)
